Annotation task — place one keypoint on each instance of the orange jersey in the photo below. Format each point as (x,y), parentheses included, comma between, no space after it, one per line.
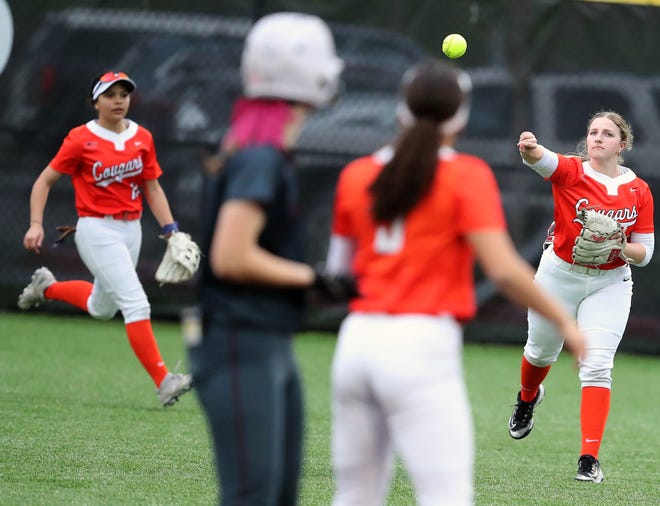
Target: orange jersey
(107,168)
(576,186)
(423,263)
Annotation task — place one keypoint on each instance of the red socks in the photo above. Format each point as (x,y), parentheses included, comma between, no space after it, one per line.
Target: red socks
(594,409)
(142,339)
(530,379)
(140,334)
(75,293)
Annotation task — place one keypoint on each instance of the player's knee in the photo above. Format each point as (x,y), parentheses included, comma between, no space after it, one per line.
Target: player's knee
(102,313)
(596,368)
(590,377)
(538,357)
(136,314)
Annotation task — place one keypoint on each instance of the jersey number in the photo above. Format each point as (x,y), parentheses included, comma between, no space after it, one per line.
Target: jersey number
(135,191)
(389,238)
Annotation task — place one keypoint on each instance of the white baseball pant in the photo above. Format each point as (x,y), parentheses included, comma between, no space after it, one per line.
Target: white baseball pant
(398,387)
(600,301)
(110,250)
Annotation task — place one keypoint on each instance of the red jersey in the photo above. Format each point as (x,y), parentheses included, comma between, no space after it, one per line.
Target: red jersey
(107,168)
(423,262)
(576,185)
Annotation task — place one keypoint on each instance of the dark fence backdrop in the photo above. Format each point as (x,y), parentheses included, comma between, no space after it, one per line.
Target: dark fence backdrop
(539,65)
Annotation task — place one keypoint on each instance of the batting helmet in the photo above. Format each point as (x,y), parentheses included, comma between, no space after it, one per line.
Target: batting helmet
(291,56)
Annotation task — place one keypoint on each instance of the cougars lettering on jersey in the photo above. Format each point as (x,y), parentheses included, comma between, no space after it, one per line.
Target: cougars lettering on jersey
(107,168)
(576,186)
(423,263)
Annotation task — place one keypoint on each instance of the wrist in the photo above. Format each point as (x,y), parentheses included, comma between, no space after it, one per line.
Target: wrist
(626,258)
(36,222)
(169,229)
(543,161)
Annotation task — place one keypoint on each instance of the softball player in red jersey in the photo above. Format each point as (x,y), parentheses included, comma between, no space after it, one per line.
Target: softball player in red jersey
(112,163)
(408,222)
(598,296)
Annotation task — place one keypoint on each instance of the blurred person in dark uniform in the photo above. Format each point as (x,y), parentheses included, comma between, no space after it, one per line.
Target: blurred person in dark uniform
(254,279)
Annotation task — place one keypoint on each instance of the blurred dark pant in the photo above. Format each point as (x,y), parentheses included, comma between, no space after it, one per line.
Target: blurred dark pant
(248,384)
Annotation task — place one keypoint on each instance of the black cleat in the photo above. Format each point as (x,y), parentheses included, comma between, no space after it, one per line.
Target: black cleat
(589,469)
(521,422)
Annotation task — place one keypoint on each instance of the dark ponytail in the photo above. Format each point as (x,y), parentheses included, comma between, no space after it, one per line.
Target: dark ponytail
(431,96)
(408,176)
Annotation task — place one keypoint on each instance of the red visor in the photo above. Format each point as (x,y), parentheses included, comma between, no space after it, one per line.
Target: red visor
(108,79)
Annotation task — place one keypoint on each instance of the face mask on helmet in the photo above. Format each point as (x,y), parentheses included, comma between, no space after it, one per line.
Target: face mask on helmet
(291,56)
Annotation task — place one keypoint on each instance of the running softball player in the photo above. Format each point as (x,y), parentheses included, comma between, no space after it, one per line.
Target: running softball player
(408,222)
(112,163)
(597,289)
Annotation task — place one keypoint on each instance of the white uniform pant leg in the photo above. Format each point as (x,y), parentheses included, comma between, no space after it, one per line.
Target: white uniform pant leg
(602,317)
(412,366)
(110,250)
(601,305)
(544,343)
(362,453)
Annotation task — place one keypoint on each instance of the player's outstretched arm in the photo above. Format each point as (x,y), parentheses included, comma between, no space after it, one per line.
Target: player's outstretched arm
(529,148)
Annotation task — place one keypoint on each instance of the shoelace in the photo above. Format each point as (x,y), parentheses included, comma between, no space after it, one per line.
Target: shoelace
(524,411)
(175,373)
(587,465)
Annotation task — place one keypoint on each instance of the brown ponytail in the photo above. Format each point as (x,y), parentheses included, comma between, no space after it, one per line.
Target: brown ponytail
(408,176)
(432,95)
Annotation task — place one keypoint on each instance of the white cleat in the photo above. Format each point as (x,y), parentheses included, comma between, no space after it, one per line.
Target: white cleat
(33,294)
(172,387)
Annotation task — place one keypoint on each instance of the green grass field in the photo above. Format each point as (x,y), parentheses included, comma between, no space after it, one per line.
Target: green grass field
(80,424)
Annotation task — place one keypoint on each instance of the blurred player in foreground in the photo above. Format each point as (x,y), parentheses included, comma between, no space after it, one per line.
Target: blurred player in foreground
(112,163)
(253,277)
(408,222)
(597,289)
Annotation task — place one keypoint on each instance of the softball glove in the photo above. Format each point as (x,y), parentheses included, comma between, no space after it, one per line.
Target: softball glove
(181,259)
(601,239)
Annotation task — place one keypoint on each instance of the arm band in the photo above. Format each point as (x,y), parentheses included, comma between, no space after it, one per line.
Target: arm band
(168,229)
(546,165)
(648,241)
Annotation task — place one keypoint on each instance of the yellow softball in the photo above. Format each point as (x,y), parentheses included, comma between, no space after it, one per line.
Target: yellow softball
(454,45)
